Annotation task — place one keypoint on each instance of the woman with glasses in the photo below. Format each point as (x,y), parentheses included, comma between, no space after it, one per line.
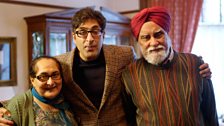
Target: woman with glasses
(43,104)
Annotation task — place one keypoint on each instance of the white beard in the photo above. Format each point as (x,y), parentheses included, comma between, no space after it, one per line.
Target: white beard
(155,58)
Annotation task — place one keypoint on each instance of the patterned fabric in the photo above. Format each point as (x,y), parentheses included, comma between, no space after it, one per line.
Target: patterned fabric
(171,95)
(111,110)
(44,118)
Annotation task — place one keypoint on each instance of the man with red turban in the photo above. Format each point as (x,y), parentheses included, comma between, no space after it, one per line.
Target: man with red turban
(166,86)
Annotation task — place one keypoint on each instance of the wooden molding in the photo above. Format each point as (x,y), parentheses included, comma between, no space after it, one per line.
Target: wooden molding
(34,4)
(129,12)
(52,6)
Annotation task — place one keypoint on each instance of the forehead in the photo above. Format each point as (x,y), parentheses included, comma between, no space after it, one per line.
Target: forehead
(46,65)
(90,23)
(150,27)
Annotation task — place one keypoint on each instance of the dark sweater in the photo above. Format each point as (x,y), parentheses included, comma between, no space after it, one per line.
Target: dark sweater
(90,76)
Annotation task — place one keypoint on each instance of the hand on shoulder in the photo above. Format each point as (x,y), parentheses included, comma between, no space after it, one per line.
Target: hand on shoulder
(4,120)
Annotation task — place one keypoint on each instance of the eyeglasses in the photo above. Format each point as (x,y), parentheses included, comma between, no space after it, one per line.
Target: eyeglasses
(45,77)
(84,33)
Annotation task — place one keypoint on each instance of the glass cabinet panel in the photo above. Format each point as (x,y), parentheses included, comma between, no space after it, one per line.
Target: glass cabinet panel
(124,40)
(38,44)
(110,39)
(57,43)
(73,44)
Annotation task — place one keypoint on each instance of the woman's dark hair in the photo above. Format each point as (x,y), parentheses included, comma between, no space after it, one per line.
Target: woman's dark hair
(33,68)
(85,14)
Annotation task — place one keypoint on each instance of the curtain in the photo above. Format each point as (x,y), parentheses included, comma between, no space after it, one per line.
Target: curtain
(185,15)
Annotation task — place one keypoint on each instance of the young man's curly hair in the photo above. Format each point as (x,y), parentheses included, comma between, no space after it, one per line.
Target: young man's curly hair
(86,14)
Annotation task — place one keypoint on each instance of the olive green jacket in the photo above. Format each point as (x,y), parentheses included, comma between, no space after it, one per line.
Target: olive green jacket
(21,109)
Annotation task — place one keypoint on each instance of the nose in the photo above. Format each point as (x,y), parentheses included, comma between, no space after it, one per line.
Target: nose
(89,37)
(50,81)
(154,42)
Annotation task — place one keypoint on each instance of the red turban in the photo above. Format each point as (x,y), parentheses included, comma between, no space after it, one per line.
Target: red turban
(158,15)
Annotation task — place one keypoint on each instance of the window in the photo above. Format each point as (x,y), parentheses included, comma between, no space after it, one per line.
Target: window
(209,44)
(212,12)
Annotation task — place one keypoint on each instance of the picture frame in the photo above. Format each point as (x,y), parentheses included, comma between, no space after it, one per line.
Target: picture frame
(8,67)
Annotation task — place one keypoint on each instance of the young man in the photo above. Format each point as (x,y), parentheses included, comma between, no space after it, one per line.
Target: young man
(93,73)
(166,86)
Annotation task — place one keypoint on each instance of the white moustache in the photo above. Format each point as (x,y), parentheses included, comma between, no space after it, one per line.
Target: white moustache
(152,48)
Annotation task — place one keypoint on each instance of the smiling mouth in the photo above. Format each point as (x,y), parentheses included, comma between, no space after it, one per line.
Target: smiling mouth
(50,86)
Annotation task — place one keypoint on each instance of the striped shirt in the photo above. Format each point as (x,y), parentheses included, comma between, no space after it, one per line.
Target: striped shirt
(171,95)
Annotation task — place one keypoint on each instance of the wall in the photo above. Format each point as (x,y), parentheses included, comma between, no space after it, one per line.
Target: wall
(12,24)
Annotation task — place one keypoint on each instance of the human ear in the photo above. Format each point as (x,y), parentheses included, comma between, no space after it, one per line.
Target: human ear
(32,80)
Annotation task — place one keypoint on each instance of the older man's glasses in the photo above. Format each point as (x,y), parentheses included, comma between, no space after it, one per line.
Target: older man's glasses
(84,33)
(45,77)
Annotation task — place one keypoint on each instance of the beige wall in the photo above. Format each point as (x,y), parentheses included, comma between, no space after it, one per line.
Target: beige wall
(12,24)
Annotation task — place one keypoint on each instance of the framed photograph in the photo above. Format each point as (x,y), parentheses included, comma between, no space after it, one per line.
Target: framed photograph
(8,74)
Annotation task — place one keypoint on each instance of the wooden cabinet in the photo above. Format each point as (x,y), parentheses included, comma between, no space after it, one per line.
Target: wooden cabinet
(51,33)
